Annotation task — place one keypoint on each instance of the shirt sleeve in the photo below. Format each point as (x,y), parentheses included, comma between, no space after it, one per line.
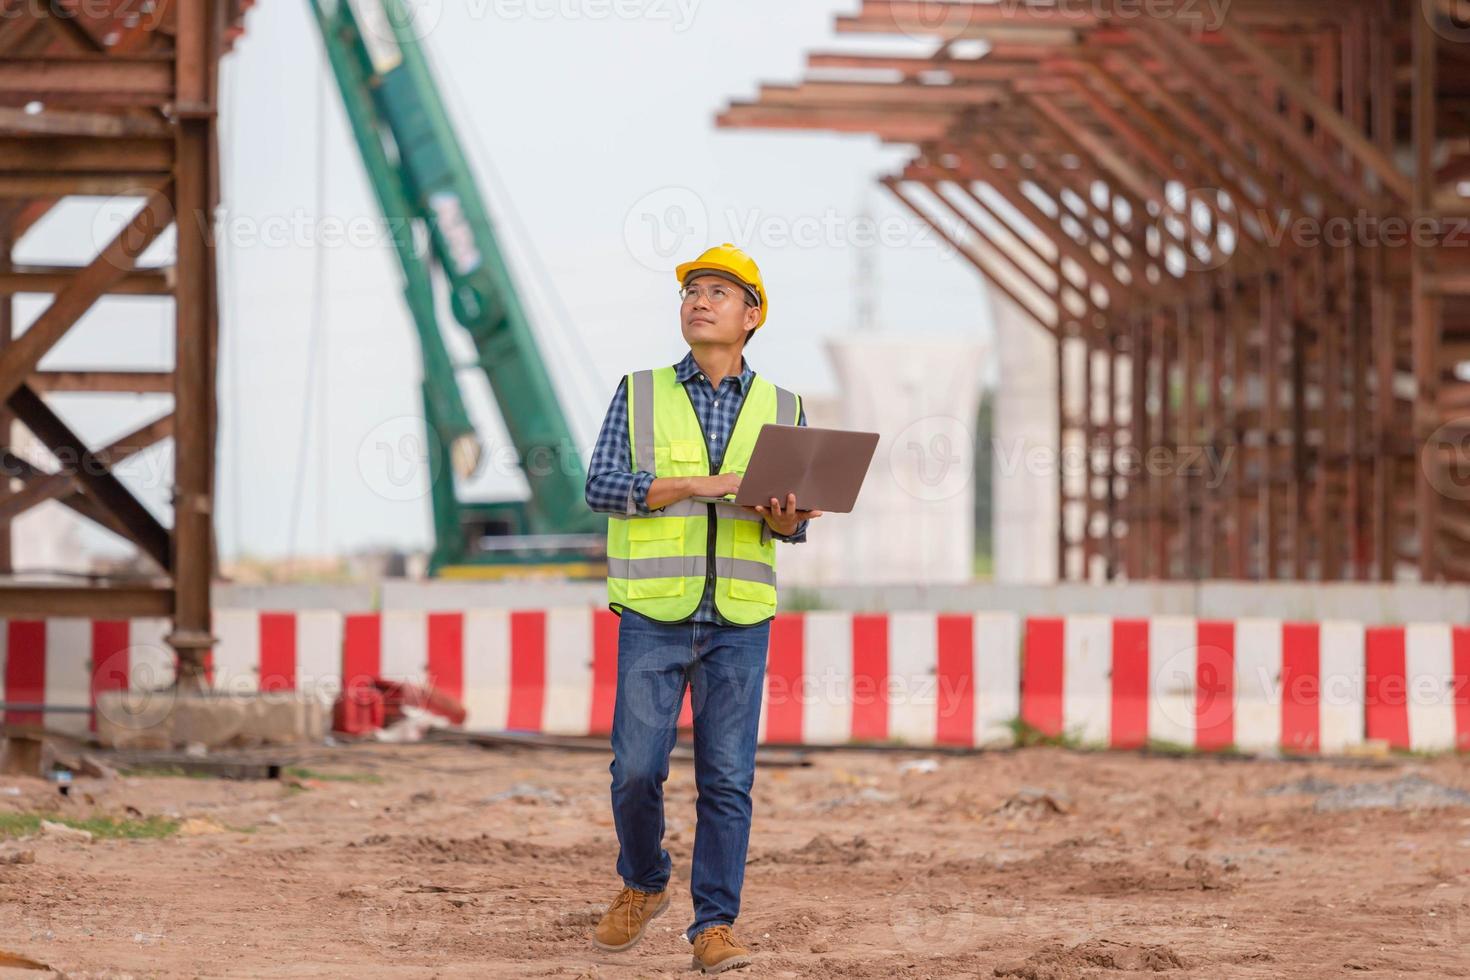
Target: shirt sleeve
(799,535)
(613,485)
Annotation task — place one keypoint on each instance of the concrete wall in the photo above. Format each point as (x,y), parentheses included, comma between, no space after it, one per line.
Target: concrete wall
(337,598)
(1365,603)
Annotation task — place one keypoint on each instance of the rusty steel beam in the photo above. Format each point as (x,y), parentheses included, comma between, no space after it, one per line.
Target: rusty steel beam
(19,360)
(62,122)
(53,279)
(200,35)
(93,474)
(40,487)
(65,154)
(101,382)
(97,602)
(103,80)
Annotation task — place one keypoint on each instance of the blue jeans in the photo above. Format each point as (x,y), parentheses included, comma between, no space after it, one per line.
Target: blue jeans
(725,669)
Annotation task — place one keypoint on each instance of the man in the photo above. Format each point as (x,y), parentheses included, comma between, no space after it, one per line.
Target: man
(694,584)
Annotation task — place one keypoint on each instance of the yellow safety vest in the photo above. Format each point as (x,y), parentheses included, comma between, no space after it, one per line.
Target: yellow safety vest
(657,564)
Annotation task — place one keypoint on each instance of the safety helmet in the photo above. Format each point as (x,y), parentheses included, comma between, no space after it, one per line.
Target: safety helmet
(728,262)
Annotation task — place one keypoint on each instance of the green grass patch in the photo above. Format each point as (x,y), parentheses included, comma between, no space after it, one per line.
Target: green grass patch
(300,772)
(102,828)
(1027,735)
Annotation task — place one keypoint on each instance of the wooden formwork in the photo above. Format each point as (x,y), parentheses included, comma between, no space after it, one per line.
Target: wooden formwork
(1243,225)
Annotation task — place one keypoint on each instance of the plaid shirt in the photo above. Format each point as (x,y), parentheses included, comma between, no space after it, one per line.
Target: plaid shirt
(614,487)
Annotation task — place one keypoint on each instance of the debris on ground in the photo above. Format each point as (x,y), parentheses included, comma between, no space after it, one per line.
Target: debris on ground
(821,849)
(868,795)
(60,831)
(1032,802)
(1307,785)
(199,827)
(1412,792)
(919,766)
(1056,962)
(17,857)
(526,793)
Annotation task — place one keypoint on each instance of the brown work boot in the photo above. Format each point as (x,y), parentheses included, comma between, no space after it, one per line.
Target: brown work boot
(716,950)
(630,913)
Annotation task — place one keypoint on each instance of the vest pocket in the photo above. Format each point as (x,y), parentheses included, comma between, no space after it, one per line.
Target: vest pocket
(655,588)
(685,451)
(655,538)
(752,591)
(746,541)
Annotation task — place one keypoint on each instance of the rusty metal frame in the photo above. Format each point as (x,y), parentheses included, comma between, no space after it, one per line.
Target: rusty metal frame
(104,98)
(1332,377)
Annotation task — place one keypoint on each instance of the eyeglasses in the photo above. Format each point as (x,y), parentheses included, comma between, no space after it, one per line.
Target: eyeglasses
(714,294)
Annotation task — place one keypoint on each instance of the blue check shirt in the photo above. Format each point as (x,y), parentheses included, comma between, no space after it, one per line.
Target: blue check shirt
(614,487)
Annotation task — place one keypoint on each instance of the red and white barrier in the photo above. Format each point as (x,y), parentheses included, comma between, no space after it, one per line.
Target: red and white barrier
(1252,684)
(66,662)
(916,678)
(277,651)
(1418,686)
(832,678)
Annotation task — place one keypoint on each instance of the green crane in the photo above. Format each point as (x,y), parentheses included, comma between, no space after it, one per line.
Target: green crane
(426,191)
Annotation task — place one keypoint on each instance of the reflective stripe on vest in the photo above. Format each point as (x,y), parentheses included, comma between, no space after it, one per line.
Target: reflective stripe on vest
(658,563)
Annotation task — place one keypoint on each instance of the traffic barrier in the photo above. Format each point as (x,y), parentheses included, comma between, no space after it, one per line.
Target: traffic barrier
(1249,684)
(1418,686)
(832,678)
(65,662)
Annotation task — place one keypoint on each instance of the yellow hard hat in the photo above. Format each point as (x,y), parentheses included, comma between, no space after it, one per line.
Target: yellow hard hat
(731,261)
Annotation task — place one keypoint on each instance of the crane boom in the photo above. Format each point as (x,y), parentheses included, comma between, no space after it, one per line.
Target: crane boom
(429,197)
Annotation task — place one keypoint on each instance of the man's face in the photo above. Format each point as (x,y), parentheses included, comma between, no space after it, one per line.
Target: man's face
(714,311)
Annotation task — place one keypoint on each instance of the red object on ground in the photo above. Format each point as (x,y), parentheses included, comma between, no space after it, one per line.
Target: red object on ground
(400,694)
(359,710)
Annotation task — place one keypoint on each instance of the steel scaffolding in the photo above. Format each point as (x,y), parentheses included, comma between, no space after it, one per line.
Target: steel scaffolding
(1247,237)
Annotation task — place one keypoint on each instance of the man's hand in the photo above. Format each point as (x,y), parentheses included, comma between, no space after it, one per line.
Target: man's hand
(783,520)
(719,485)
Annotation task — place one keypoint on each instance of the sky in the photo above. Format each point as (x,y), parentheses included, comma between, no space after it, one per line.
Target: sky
(590,126)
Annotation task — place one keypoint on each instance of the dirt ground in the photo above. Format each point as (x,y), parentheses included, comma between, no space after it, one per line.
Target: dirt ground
(460,861)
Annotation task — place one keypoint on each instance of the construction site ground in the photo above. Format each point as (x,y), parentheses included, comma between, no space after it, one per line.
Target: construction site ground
(454,860)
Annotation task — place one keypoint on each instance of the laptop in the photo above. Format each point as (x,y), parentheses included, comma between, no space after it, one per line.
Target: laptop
(823,467)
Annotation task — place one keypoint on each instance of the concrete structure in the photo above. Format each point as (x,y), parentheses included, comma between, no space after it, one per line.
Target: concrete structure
(915,516)
(1025,450)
